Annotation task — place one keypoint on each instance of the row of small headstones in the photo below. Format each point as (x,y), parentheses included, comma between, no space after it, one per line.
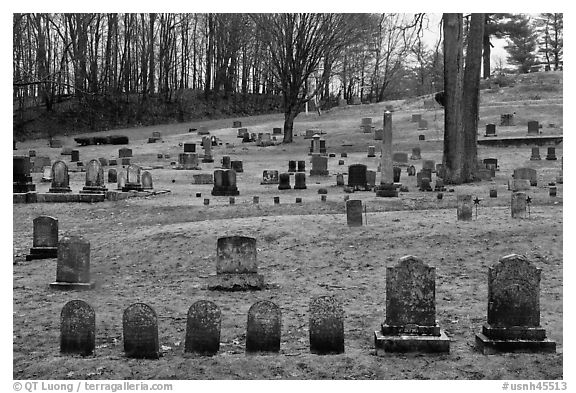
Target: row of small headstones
(508,120)
(263,331)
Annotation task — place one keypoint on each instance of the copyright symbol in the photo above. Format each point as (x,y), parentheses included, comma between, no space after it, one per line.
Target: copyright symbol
(17,386)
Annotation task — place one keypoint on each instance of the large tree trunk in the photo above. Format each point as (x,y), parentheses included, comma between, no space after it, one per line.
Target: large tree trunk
(289,116)
(453,132)
(471,96)
(486,53)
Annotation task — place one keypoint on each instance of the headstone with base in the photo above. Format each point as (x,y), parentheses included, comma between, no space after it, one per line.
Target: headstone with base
(133,178)
(410,324)
(551,154)
(203,327)
(513,322)
(77,328)
(140,332)
(518,205)
(94,178)
(146,180)
(236,265)
(225,183)
(284,182)
(73,266)
(269,177)
(112,175)
(60,178)
(291,166)
(357,177)
(237,166)
(490,130)
(44,238)
(464,207)
(319,165)
(326,326)
(386,187)
(416,154)
(528,174)
(400,158)
(263,329)
(124,152)
(533,128)
(300,181)
(207,145)
(354,212)
(371,151)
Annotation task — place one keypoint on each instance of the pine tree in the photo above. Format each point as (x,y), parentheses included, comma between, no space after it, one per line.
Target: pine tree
(522,43)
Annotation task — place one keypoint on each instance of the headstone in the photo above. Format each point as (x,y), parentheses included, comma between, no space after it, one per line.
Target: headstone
(189,147)
(493,192)
(518,205)
(44,238)
(133,179)
(140,332)
(263,329)
(423,124)
(366,121)
(421,137)
(507,119)
(125,161)
(310,133)
(112,162)
(357,176)
(225,183)
(291,166)
(46,175)
(535,154)
(112,175)
(519,185)
(424,182)
(232,200)
(527,174)
(397,171)
(344,155)
(94,178)
(553,191)
(236,265)
(77,328)
(237,166)
(188,161)
(326,326)
(319,165)
(55,143)
(410,324)
(146,180)
(513,323)
(370,179)
(354,212)
(491,163)
(203,327)
(429,164)
(416,118)
(207,145)
(255,200)
(378,134)
(371,151)
(464,208)
(236,124)
(551,155)
(269,177)
(121,180)
(411,170)
(226,162)
(490,130)
(206,201)
(124,152)
(73,266)
(276,200)
(400,158)
(322,146)
(277,131)
(533,128)
(339,179)
(103,161)
(284,183)
(301,166)
(416,154)
(60,178)
(300,181)
(439,186)
(386,187)
(32,153)
(75,156)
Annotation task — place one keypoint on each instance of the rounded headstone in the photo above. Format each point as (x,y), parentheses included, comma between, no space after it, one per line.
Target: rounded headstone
(326,326)
(140,332)
(263,329)
(203,328)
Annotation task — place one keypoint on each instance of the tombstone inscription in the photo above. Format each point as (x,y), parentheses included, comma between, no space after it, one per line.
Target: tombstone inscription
(45,238)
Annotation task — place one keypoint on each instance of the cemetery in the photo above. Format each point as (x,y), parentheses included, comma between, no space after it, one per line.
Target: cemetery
(212,230)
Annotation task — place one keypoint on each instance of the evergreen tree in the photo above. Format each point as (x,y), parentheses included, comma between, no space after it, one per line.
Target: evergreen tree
(522,43)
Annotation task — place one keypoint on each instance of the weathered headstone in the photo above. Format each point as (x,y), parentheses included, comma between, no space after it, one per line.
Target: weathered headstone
(225,183)
(464,208)
(269,177)
(551,154)
(411,170)
(188,161)
(66,151)
(370,179)
(493,192)
(301,166)
(189,147)
(73,266)
(60,178)
(236,265)
(535,154)
(527,174)
(491,163)
(284,182)
(490,130)
(44,238)
(386,187)
(400,158)
(378,133)
(55,143)
(121,180)
(319,165)
(354,212)
(77,328)
(75,156)
(397,171)
(410,324)
(371,151)
(357,176)
(207,145)
(507,119)
(416,154)
(112,175)
(140,332)
(237,166)
(203,178)
(133,178)
(46,175)
(429,164)
(263,329)
(203,327)
(518,205)
(513,323)
(339,179)
(236,124)
(22,180)
(276,131)
(226,162)
(533,128)
(300,181)
(94,178)
(146,179)
(326,326)
(124,152)
(291,166)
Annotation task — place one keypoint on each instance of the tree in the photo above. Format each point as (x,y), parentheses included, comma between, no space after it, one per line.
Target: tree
(522,42)
(297,43)
(550,27)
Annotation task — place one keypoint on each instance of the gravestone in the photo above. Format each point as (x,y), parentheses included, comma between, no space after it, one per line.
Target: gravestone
(22,180)
(397,171)
(551,154)
(284,182)
(121,180)
(60,178)
(323,147)
(103,161)
(236,124)
(533,128)
(237,166)
(270,177)
(410,324)
(490,130)
(124,161)
(263,329)
(276,131)
(94,178)
(310,133)
(422,124)
(553,191)
(416,118)
(276,200)
(535,154)
(75,156)
(291,166)
(371,151)
(207,145)
(300,181)
(225,183)
(370,180)
(326,326)
(140,332)
(188,161)
(77,328)
(46,174)
(411,170)
(354,212)
(421,137)
(146,179)
(344,155)
(493,192)
(491,163)
(44,238)
(55,143)
(133,179)
(425,184)
(464,208)
(301,166)
(518,184)
(203,327)
(232,200)
(226,162)
(507,119)
(73,266)
(527,174)
(416,154)
(386,187)
(518,205)
(236,265)
(319,165)
(112,175)
(189,147)
(357,177)
(378,134)
(339,179)
(112,162)
(400,158)
(429,164)
(124,152)
(32,153)
(513,321)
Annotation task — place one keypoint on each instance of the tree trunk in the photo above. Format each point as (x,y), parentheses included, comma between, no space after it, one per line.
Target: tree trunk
(471,96)
(486,51)
(289,116)
(453,132)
